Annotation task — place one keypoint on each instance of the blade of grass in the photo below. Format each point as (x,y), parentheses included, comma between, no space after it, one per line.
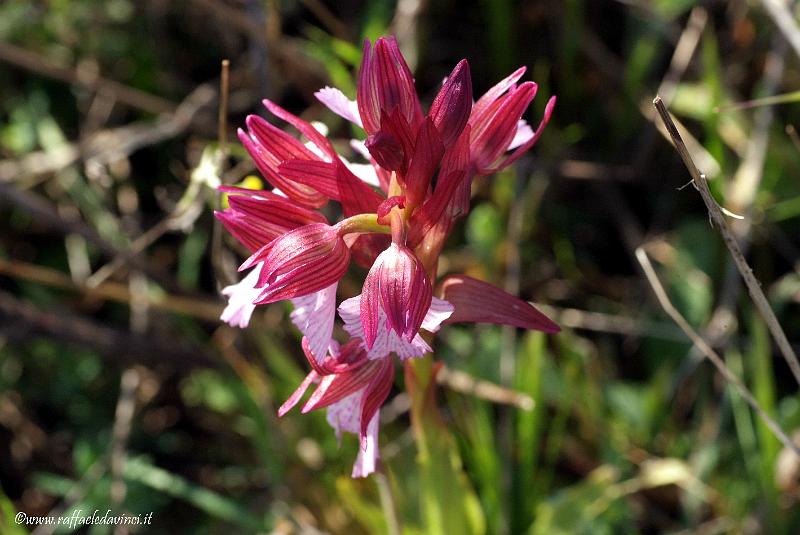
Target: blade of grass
(141,470)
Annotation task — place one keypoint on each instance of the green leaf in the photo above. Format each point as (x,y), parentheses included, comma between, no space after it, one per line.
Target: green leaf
(140,470)
(591,507)
(448,502)
(8,514)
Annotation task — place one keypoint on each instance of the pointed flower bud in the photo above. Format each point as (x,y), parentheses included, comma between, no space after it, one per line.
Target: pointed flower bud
(300,262)
(398,285)
(385,83)
(451,107)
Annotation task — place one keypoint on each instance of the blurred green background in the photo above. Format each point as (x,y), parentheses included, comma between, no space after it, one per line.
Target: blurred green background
(120,390)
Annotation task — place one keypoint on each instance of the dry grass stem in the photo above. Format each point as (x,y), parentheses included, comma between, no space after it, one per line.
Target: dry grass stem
(712,355)
(465,383)
(718,219)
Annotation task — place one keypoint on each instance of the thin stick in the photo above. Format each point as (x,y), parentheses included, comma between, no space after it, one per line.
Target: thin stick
(220,274)
(19,320)
(464,383)
(718,219)
(121,431)
(196,307)
(36,63)
(222,114)
(712,355)
(791,131)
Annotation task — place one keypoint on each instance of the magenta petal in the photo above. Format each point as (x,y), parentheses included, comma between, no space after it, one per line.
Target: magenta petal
(495,92)
(269,146)
(367,93)
(305,128)
(376,393)
(385,84)
(386,207)
(255,218)
(386,149)
(297,394)
(480,302)
(338,359)
(336,181)
(251,236)
(529,142)
(398,281)
(387,341)
(303,261)
(450,198)
(333,388)
(392,145)
(493,132)
(451,107)
(428,151)
(370,303)
(257,258)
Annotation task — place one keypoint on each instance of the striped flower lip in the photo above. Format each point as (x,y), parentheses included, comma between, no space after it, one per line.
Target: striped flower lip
(398,208)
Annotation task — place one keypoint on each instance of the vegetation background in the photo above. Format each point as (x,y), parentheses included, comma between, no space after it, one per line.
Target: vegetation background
(120,389)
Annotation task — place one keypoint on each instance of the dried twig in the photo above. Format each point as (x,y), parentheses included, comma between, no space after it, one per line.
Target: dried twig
(20,319)
(712,355)
(609,323)
(405,27)
(222,112)
(123,418)
(464,383)
(111,144)
(741,195)
(180,304)
(31,61)
(44,212)
(718,219)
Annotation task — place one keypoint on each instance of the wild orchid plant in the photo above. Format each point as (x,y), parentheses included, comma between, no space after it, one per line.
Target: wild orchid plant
(398,210)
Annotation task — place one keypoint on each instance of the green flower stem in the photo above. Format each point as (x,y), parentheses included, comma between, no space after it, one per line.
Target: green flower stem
(362,223)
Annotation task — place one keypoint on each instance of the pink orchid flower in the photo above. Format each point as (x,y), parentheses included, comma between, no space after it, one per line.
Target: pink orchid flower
(422,166)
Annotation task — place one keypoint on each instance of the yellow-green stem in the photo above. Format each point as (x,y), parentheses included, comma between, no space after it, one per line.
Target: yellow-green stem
(362,223)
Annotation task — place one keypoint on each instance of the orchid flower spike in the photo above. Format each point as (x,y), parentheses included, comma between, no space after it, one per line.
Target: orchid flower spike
(398,208)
